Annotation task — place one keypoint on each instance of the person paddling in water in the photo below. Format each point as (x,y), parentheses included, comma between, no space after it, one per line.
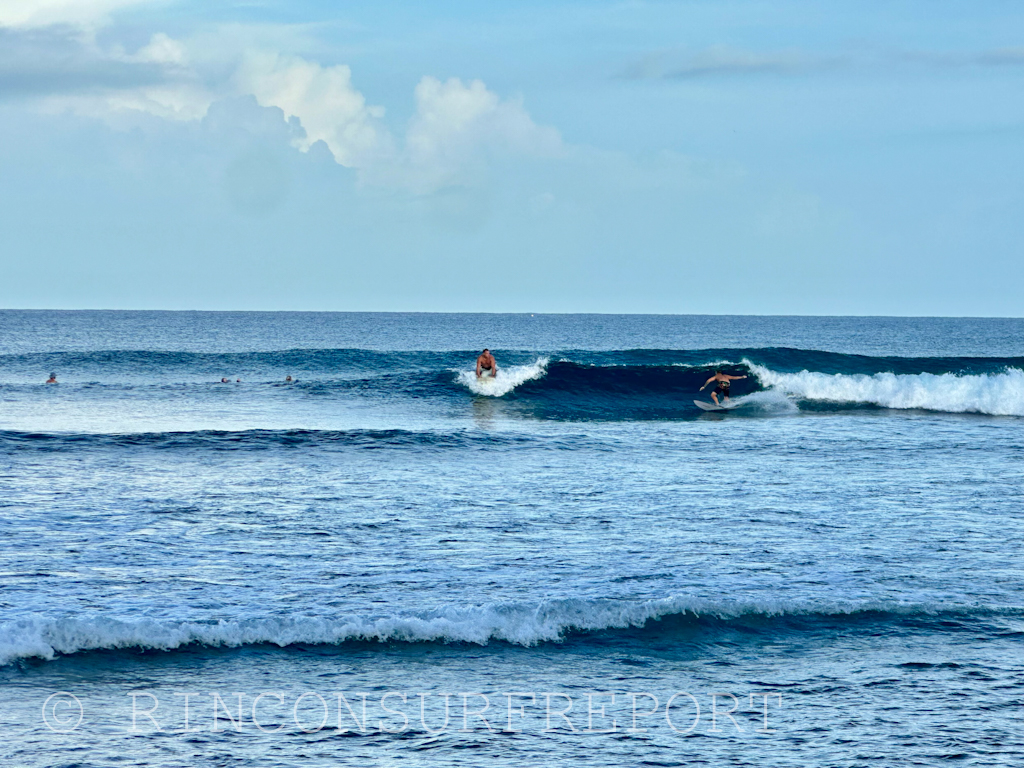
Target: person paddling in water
(486,362)
(723,379)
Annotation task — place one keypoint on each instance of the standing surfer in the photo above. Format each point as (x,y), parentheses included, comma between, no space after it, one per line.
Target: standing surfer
(486,362)
(723,380)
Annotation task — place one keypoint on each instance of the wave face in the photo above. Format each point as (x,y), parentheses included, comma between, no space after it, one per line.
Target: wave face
(607,388)
(116,365)
(569,385)
(517,624)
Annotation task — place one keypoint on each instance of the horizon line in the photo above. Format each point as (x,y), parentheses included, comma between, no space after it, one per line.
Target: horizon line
(517,313)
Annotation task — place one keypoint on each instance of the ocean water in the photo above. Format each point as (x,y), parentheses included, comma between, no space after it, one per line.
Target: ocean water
(387,562)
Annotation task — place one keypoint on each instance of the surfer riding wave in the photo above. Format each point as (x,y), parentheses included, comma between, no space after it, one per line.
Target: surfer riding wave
(724,380)
(500,383)
(486,362)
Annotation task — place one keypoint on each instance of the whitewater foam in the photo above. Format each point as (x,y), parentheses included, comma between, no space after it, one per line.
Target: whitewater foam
(770,402)
(507,379)
(999,394)
(515,623)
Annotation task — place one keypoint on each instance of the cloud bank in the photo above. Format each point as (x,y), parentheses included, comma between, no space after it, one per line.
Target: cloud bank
(55,60)
(49,53)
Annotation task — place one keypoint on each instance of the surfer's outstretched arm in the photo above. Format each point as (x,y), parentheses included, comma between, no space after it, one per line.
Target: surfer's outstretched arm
(733,378)
(706,383)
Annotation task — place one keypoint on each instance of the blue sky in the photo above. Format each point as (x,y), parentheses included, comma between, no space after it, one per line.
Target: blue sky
(706,157)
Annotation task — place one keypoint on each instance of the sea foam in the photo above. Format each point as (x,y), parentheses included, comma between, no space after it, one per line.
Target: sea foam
(507,379)
(998,394)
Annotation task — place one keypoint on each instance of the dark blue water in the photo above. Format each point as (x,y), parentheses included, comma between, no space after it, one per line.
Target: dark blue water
(385,529)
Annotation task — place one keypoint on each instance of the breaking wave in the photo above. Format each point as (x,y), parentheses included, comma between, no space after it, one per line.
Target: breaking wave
(506,380)
(513,623)
(996,394)
(569,385)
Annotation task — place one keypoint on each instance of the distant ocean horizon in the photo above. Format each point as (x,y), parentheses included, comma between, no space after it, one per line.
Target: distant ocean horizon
(296,517)
(802,315)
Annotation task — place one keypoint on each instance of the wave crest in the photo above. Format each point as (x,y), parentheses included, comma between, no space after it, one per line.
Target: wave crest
(515,623)
(996,394)
(506,380)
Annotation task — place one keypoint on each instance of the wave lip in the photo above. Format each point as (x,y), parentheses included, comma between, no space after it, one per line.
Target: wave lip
(995,394)
(505,381)
(521,624)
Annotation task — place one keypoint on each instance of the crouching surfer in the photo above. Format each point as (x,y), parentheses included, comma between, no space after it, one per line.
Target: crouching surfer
(486,362)
(723,379)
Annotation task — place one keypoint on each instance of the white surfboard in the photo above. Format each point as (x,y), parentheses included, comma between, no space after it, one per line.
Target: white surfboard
(706,406)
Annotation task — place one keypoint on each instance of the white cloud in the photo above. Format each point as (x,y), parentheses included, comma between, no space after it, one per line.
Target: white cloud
(178,102)
(454,118)
(162,50)
(39,13)
(323,98)
(108,84)
(182,97)
(456,128)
